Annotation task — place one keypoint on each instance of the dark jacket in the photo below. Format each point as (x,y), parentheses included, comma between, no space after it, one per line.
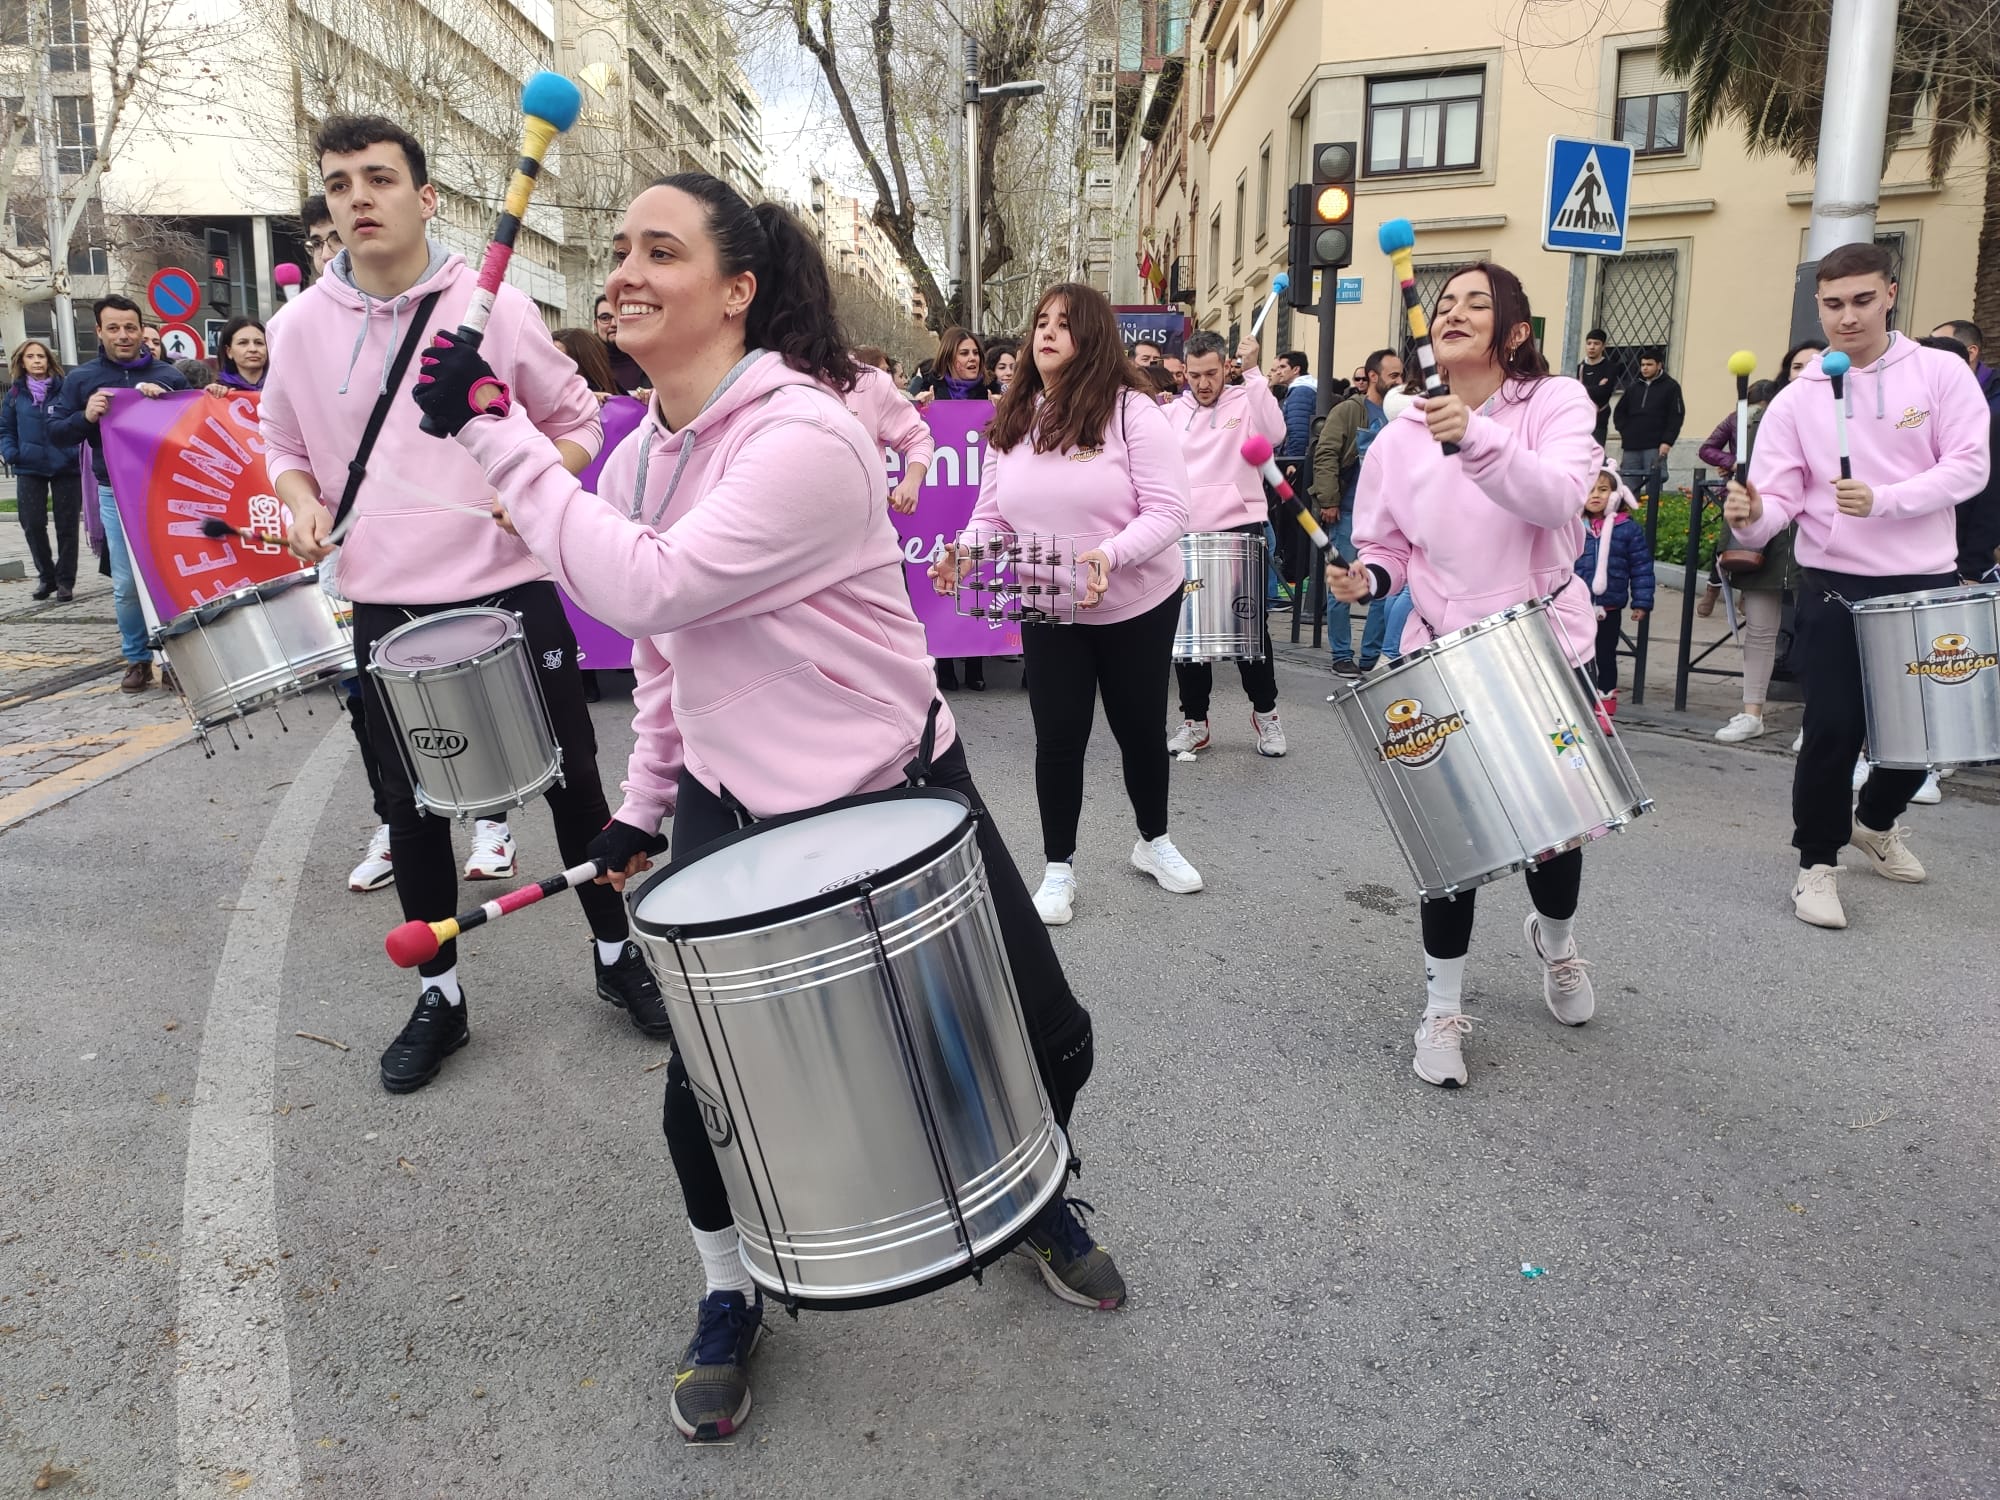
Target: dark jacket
(67,423)
(1600,383)
(1343,442)
(1300,401)
(1780,571)
(1979,524)
(24,433)
(625,371)
(1630,573)
(935,384)
(1650,412)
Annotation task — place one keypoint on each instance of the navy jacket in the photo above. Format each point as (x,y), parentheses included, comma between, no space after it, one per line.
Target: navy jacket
(24,433)
(1630,574)
(67,423)
(1299,403)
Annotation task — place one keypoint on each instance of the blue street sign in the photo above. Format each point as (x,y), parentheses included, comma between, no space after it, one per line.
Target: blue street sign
(173,294)
(1347,289)
(1588,198)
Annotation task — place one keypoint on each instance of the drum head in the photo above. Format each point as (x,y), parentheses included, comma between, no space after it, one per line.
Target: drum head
(780,869)
(441,640)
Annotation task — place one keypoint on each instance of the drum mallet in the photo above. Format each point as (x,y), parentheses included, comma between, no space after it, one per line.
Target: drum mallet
(286,278)
(1256,451)
(418,942)
(1742,364)
(551,104)
(1399,242)
(1835,365)
(1279,285)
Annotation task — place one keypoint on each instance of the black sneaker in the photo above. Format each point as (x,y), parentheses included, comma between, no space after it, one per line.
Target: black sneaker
(629,985)
(712,1387)
(1346,667)
(435,1030)
(1076,1269)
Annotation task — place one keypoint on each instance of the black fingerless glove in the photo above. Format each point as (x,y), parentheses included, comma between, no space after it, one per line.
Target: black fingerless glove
(457,384)
(619,842)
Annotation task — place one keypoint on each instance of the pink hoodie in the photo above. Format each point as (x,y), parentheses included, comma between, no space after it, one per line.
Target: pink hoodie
(1224,491)
(421,533)
(891,417)
(773,640)
(1496,526)
(1128,496)
(1917,432)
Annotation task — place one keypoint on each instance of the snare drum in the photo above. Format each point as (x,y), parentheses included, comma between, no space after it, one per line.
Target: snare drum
(247,649)
(1222,598)
(1485,751)
(469,715)
(1930,676)
(847,1018)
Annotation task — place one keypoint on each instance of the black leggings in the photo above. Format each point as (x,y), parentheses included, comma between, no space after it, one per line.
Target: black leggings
(1553,887)
(1058,1025)
(419,843)
(1069,668)
(354,697)
(1608,632)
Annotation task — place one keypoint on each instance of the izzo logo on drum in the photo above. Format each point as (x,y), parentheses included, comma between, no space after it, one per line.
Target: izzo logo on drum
(714,1117)
(1416,738)
(438,744)
(1243,607)
(1952,660)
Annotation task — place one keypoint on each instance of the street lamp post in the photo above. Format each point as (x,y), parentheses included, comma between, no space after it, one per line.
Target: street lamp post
(974,240)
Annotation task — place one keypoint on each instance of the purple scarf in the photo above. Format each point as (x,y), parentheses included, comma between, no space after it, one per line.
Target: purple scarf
(38,388)
(959,390)
(231,378)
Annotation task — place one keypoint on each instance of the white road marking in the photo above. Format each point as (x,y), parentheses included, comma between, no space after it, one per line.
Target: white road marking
(234,1380)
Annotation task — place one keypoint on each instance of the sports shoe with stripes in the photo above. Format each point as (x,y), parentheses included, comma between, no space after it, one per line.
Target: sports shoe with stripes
(1076,1268)
(712,1386)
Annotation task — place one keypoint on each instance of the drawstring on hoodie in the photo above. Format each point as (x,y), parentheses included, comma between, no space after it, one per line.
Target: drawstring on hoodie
(690,438)
(342,267)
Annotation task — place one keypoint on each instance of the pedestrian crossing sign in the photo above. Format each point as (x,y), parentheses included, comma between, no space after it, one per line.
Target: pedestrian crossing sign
(1589,196)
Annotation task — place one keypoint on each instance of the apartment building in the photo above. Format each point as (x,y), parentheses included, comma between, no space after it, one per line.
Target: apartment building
(855,245)
(1452,120)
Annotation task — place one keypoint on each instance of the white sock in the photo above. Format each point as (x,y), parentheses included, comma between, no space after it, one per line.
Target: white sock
(609,953)
(1557,939)
(721,1263)
(1444,978)
(447,981)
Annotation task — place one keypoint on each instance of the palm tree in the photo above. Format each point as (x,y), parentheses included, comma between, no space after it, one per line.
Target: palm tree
(1763,63)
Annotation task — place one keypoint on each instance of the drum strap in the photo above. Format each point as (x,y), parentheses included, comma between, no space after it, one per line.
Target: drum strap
(357,469)
(918,771)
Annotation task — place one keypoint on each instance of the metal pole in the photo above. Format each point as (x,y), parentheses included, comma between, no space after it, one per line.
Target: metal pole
(956,235)
(1573,316)
(1329,288)
(53,207)
(973,297)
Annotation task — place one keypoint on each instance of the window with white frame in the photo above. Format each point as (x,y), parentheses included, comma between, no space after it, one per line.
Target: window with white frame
(1425,123)
(1264,192)
(1242,192)
(1652,110)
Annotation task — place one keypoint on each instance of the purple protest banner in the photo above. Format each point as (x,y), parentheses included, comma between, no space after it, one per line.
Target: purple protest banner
(950,491)
(599,648)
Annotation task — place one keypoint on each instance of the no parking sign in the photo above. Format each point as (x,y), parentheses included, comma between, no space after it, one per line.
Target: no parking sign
(174,295)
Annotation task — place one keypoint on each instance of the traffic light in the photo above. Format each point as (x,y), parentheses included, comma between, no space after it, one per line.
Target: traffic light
(220,251)
(1332,216)
(1298,253)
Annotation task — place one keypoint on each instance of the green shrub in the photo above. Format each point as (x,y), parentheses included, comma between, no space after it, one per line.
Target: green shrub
(1670,546)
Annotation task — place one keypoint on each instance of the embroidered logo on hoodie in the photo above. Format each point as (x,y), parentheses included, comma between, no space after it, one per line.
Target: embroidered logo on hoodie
(1952,660)
(1912,417)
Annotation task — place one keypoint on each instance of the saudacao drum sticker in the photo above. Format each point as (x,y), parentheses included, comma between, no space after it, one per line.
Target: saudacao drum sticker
(1951,660)
(1415,737)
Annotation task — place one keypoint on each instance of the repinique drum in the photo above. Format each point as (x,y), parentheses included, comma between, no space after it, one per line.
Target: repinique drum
(847,1017)
(1930,676)
(469,715)
(1222,601)
(1485,751)
(249,648)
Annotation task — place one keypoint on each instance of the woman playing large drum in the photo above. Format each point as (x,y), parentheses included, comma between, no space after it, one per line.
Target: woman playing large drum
(779,664)
(1473,534)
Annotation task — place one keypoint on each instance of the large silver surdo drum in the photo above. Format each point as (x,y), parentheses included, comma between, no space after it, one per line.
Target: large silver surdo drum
(847,1017)
(1930,676)
(1486,752)
(1222,597)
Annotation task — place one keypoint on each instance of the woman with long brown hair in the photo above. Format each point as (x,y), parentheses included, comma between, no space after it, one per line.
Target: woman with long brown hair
(45,470)
(1079,450)
(592,358)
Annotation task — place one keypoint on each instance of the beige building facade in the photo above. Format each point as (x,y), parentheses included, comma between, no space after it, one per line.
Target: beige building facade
(1453,120)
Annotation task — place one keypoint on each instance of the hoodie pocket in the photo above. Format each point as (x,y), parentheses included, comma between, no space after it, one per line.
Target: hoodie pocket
(795,739)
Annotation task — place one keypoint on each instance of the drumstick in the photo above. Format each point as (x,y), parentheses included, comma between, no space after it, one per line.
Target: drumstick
(416,942)
(1742,364)
(221,530)
(1256,451)
(1279,284)
(1399,242)
(1836,365)
(551,104)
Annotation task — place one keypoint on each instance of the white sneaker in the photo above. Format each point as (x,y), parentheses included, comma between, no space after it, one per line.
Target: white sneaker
(1192,736)
(1057,895)
(1742,727)
(1270,733)
(1816,897)
(492,856)
(1440,1056)
(1566,988)
(1930,793)
(374,871)
(1161,860)
(1860,772)
(1798,742)
(1887,852)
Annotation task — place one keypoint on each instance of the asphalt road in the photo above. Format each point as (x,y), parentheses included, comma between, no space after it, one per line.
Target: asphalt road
(1762,1182)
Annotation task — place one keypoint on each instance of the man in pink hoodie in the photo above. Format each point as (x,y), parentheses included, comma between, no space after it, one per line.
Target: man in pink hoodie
(1917,428)
(1212,418)
(421,538)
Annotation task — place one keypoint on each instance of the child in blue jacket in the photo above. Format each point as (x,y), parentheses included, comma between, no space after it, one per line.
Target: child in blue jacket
(1618,565)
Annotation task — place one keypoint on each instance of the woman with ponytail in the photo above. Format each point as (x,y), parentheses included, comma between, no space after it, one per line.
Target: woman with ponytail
(748,551)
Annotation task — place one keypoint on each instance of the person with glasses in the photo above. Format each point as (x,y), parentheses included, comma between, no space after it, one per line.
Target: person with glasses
(625,371)
(322,239)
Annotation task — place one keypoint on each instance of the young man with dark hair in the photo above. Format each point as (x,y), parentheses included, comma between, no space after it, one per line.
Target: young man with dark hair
(1967,333)
(322,239)
(1146,353)
(625,371)
(123,362)
(1599,375)
(1649,417)
(1344,439)
(422,537)
(1918,434)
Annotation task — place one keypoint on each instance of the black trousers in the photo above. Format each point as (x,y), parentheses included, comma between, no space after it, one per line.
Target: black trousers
(1069,668)
(1836,721)
(1607,652)
(40,494)
(355,700)
(419,843)
(1260,678)
(1058,1026)
(1553,887)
